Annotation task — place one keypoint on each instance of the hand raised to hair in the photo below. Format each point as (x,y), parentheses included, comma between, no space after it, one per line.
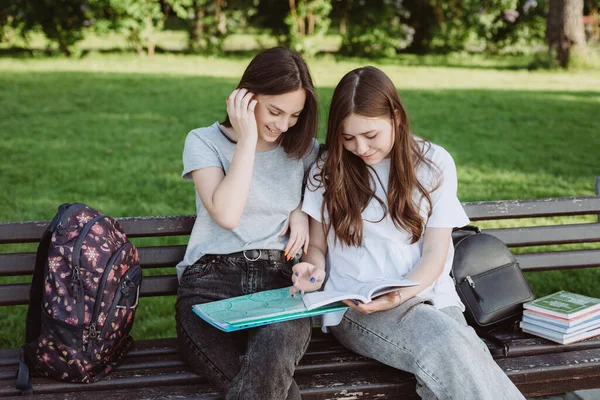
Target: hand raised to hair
(240,108)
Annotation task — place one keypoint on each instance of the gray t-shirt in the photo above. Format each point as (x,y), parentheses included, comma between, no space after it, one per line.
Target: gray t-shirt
(275,191)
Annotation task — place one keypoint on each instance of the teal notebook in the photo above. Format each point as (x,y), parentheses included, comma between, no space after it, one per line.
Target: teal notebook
(277,305)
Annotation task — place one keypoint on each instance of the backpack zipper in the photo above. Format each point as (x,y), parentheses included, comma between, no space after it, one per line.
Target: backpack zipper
(71,209)
(93,334)
(471,283)
(123,289)
(76,283)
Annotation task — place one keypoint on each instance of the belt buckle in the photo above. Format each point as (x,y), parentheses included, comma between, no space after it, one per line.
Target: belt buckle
(252,259)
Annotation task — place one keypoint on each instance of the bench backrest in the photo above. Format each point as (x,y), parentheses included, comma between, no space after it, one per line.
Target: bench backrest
(550,231)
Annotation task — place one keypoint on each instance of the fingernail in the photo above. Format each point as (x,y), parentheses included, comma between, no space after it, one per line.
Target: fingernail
(293,282)
(300,291)
(313,280)
(285,252)
(293,295)
(297,274)
(226,100)
(354,301)
(305,251)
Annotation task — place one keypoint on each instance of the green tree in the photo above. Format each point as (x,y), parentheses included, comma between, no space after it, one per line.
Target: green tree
(308,22)
(140,20)
(373,28)
(520,28)
(62,22)
(211,21)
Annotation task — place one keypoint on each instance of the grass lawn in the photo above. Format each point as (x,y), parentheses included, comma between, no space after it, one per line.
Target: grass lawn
(108,130)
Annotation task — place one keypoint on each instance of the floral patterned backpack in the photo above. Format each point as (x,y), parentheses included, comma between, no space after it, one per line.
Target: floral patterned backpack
(83,298)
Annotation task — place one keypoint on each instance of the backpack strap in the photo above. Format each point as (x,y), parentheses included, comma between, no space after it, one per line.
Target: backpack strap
(23,379)
(33,322)
(504,344)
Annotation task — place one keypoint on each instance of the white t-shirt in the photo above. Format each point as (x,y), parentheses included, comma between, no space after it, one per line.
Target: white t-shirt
(386,252)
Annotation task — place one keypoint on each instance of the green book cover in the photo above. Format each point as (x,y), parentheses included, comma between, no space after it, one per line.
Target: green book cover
(564,304)
(259,309)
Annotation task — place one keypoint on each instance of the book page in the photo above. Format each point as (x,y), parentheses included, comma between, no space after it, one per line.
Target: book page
(364,292)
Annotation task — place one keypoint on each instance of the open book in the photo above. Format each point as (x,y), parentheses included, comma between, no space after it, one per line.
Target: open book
(277,305)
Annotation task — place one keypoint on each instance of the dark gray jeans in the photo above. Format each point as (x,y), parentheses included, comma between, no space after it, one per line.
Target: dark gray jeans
(256,363)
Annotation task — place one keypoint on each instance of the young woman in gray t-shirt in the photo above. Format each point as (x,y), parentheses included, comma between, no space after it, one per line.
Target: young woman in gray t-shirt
(248,173)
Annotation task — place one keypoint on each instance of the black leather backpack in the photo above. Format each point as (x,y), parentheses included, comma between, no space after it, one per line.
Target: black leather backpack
(488,280)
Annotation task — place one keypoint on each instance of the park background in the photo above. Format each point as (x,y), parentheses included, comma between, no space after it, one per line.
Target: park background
(97,97)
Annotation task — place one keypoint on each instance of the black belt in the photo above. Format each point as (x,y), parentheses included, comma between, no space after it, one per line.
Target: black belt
(255,255)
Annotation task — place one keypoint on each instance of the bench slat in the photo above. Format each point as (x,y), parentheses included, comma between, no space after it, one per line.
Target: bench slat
(504,209)
(14,294)
(547,235)
(25,232)
(31,231)
(114,380)
(136,392)
(13,264)
(533,375)
(559,260)
(548,374)
(18,293)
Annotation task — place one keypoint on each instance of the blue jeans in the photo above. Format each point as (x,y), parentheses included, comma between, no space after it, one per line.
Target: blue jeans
(256,363)
(437,346)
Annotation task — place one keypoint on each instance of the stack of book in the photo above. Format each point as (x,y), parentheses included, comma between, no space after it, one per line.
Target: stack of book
(562,317)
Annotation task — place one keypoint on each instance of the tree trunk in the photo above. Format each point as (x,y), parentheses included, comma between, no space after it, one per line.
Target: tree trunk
(344,23)
(151,47)
(64,48)
(564,30)
(294,15)
(311,22)
(196,29)
(220,17)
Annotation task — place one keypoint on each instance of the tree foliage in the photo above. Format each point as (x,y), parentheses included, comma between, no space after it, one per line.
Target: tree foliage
(211,21)
(62,22)
(373,28)
(308,22)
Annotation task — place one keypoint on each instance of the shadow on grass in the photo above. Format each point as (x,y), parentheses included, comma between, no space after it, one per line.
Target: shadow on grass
(452,60)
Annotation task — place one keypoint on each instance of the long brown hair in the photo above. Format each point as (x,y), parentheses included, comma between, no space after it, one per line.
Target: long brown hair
(369,92)
(277,71)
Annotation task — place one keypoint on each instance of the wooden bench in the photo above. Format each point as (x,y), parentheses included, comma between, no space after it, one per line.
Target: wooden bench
(154,369)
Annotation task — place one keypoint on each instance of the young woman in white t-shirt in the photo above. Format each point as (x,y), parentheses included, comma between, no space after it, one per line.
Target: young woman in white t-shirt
(383,204)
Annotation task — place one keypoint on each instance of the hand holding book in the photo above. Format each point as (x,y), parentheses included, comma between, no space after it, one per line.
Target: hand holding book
(306,278)
(382,303)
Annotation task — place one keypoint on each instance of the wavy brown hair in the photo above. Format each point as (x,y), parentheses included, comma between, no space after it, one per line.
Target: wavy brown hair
(277,71)
(349,187)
